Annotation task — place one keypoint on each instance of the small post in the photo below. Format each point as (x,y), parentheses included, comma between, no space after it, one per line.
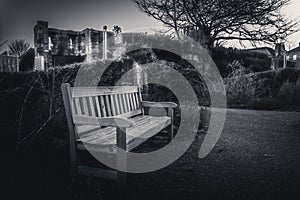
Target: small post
(104,42)
(88,46)
(17,64)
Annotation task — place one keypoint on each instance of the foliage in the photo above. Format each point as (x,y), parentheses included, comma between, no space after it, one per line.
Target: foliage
(191,75)
(31,102)
(251,61)
(117,29)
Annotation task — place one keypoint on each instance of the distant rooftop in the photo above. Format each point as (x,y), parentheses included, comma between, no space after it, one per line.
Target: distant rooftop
(297,49)
(270,50)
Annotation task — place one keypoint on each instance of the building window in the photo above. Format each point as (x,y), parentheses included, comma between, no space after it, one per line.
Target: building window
(50,45)
(294,57)
(70,43)
(288,57)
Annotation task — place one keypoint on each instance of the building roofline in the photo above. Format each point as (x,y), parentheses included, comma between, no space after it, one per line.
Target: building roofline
(297,49)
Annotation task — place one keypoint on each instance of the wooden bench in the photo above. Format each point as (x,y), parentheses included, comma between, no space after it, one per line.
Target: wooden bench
(104,118)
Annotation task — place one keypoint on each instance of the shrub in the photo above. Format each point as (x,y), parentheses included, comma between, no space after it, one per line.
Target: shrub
(264,90)
(31,102)
(252,61)
(289,93)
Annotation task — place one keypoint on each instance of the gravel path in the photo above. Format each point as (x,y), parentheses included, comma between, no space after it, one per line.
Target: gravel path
(257,157)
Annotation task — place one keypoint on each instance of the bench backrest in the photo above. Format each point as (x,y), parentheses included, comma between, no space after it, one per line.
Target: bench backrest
(106,101)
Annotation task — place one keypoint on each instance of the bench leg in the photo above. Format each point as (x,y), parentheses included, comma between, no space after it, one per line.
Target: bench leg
(121,159)
(170,128)
(170,133)
(121,176)
(121,180)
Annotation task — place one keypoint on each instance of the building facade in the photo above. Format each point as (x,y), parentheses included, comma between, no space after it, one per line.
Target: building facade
(278,55)
(57,47)
(294,56)
(9,63)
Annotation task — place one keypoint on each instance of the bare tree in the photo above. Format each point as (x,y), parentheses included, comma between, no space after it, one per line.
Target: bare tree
(18,47)
(213,21)
(169,12)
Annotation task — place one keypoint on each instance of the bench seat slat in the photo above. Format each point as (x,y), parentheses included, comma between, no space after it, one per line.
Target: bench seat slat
(104,140)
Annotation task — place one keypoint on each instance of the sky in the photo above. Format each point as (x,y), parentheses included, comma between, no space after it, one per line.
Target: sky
(18,17)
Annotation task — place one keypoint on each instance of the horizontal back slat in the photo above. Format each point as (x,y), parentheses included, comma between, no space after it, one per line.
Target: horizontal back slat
(97,91)
(106,101)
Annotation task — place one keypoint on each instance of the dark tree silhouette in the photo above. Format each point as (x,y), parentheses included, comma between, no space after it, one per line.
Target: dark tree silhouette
(213,21)
(18,47)
(117,29)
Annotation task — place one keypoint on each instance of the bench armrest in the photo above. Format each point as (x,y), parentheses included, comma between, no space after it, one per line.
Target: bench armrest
(105,121)
(159,104)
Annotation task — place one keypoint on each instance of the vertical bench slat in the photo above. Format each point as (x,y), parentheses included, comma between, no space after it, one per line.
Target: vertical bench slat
(131,101)
(84,106)
(97,106)
(134,101)
(128,103)
(74,109)
(137,100)
(102,105)
(92,106)
(121,104)
(108,106)
(117,104)
(125,104)
(112,103)
(77,105)
(141,99)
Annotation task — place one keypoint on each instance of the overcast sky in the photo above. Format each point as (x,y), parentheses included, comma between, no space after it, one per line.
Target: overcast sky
(18,17)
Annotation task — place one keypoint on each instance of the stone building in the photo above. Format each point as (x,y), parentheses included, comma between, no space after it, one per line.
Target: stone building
(56,47)
(294,56)
(266,51)
(277,55)
(9,63)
